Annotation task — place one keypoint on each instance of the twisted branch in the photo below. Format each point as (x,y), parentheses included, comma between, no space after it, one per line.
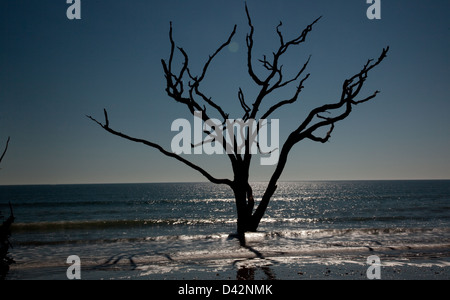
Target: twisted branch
(161,149)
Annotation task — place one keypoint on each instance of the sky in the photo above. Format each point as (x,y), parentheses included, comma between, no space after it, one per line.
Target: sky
(55,71)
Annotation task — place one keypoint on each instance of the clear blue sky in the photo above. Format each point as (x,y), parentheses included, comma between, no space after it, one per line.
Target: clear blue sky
(54,71)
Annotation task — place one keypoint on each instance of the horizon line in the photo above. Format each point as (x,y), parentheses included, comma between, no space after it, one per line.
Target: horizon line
(193,182)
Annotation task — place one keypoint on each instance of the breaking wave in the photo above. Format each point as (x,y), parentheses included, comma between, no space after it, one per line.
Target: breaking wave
(435,235)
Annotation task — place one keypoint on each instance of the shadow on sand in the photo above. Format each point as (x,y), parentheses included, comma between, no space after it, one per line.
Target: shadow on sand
(248,268)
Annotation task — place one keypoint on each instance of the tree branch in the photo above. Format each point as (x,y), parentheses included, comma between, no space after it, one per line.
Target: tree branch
(211,103)
(273,67)
(279,33)
(174,83)
(6,149)
(197,80)
(243,105)
(211,57)
(351,89)
(162,150)
(175,89)
(323,140)
(285,102)
(249,41)
(280,85)
(298,40)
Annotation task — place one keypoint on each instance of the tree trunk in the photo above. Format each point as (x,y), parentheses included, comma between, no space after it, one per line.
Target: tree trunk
(246,220)
(243,214)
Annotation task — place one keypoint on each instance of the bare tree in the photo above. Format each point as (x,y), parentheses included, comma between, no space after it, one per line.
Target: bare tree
(325,116)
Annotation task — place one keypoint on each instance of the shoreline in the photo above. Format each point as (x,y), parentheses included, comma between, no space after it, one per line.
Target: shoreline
(421,262)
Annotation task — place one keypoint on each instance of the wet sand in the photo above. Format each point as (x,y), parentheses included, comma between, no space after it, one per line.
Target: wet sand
(420,262)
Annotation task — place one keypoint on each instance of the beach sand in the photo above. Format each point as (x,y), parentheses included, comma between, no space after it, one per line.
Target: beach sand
(421,262)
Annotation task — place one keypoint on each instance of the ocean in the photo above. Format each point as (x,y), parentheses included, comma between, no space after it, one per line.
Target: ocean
(186,230)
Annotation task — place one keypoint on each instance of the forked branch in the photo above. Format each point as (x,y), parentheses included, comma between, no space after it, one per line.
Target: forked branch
(193,97)
(350,90)
(174,83)
(274,79)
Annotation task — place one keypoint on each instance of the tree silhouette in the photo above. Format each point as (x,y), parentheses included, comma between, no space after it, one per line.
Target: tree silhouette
(325,116)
